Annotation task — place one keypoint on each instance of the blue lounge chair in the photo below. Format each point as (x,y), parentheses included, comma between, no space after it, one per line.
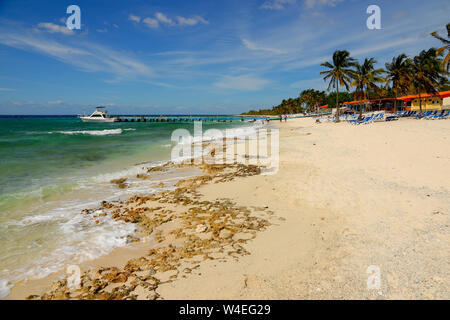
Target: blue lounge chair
(446,115)
(356,120)
(379,117)
(431,115)
(441,115)
(423,115)
(366,120)
(434,116)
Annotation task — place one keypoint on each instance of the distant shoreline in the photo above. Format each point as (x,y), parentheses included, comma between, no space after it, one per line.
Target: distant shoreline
(123,115)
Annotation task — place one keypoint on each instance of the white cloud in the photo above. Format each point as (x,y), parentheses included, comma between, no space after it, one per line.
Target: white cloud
(242,83)
(276,4)
(191,21)
(161,17)
(134,18)
(397,43)
(54,28)
(252,46)
(151,23)
(314,3)
(7,89)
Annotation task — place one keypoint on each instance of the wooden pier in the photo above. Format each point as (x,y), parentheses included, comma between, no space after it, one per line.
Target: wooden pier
(212,119)
(180,119)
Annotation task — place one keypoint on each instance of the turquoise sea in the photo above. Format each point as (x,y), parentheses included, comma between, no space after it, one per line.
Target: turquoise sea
(53,167)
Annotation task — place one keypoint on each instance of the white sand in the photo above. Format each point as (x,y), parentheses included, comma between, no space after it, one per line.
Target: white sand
(347,197)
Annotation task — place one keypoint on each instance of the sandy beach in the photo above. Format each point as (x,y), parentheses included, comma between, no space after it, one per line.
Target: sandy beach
(275,151)
(346,198)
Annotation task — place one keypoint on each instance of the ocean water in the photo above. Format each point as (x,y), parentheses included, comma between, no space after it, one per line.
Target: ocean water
(51,168)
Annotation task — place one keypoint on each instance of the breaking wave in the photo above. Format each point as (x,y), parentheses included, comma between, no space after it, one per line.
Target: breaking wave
(106,132)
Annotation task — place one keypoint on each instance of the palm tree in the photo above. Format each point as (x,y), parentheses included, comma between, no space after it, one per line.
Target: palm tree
(312,98)
(365,78)
(427,71)
(318,99)
(399,74)
(305,98)
(446,62)
(339,73)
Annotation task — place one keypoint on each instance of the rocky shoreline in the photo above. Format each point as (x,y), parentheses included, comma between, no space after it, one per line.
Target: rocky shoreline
(182,229)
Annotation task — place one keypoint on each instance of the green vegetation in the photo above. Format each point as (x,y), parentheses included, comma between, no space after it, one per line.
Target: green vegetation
(424,73)
(427,71)
(339,73)
(446,61)
(365,78)
(398,75)
(308,101)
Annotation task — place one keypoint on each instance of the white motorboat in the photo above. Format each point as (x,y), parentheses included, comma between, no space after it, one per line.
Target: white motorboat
(99,115)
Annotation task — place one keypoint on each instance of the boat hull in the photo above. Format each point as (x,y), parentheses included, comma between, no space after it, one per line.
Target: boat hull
(87,119)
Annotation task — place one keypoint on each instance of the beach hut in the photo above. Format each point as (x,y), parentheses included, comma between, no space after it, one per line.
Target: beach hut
(438,101)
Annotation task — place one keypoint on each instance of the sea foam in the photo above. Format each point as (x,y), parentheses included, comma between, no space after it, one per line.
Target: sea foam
(5,287)
(106,132)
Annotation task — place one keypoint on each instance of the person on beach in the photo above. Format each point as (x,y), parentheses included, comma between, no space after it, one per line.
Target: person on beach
(281,118)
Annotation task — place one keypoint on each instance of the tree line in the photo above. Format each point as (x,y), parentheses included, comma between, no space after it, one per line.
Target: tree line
(425,73)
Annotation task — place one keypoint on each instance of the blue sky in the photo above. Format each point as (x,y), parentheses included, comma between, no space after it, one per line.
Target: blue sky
(177,57)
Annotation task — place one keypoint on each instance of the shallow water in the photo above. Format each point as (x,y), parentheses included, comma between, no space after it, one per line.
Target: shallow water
(51,168)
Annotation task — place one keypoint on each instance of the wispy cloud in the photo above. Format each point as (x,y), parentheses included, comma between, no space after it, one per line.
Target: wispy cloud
(151,23)
(134,18)
(319,18)
(53,28)
(253,46)
(276,4)
(191,21)
(259,56)
(107,25)
(7,89)
(315,3)
(86,56)
(242,83)
(160,19)
(55,102)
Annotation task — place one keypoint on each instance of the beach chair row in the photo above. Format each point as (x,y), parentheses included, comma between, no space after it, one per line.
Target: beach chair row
(344,117)
(405,114)
(434,115)
(429,115)
(375,117)
(354,118)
